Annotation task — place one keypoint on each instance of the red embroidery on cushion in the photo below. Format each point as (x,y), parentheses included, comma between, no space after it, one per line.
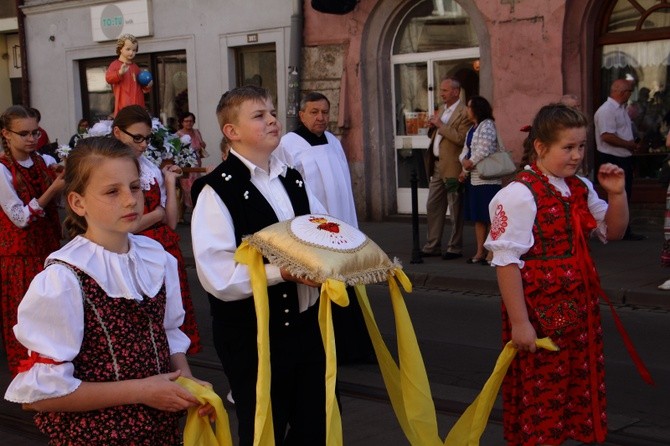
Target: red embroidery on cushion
(329,226)
(499,223)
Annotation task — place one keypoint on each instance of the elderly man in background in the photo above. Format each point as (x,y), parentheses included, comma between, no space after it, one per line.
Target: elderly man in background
(614,136)
(319,157)
(448,129)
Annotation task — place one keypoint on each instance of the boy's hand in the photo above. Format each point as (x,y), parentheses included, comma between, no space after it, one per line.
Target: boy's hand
(612,178)
(288,277)
(123,69)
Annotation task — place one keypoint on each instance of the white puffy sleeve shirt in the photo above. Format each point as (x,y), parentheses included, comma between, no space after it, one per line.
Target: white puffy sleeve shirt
(51,315)
(18,212)
(214,244)
(513,212)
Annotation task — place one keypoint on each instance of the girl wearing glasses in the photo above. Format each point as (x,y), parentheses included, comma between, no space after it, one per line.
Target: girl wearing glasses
(30,186)
(132,126)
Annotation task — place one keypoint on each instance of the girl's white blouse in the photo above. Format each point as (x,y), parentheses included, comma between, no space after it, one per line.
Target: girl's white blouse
(518,205)
(51,315)
(18,212)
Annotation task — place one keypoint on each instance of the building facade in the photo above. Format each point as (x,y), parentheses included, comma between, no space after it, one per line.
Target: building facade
(196,50)
(519,54)
(379,64)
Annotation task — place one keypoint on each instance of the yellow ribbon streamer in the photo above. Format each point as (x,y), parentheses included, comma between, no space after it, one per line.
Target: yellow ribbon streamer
(407,385)
(331,291)
(198,430)
(250,256)
(469,428)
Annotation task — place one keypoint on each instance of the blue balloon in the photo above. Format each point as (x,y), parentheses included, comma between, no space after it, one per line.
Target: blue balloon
(144,78)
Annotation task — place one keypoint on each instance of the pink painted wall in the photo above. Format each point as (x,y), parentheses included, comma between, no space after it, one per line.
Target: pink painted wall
(328,29)
(525,48)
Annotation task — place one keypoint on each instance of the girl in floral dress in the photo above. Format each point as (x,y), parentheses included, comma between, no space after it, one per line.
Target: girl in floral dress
(550,287)
(132,126)
(102,320)
(29,225)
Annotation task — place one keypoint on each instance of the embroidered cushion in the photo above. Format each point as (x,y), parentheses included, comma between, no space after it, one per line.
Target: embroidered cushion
(320,247)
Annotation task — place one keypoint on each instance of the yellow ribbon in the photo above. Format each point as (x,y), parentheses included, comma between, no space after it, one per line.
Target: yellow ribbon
(331,291)
(198,430)
(469,428)
(407,385)
(250,256)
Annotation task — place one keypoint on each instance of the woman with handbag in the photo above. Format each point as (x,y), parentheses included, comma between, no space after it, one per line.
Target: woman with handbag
(481,142)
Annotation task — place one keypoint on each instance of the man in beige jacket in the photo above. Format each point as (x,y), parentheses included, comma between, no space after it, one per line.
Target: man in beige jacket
(448,128)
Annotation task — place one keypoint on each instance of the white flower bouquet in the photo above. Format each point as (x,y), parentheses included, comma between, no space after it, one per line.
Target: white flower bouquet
(164,146)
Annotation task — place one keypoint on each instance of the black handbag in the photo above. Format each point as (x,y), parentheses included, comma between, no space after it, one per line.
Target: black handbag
(339,7)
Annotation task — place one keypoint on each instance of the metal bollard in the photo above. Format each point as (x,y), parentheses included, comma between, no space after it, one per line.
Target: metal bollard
(416,251)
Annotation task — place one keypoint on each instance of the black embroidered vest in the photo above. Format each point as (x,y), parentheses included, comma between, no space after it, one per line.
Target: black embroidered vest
(251,212)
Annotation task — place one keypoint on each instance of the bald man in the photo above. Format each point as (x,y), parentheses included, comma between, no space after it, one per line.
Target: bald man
(614,136)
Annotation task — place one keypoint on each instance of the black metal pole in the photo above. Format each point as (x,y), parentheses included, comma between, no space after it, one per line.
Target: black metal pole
(416,252)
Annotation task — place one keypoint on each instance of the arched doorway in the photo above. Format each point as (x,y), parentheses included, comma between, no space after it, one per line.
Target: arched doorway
(435,40)
(407,47)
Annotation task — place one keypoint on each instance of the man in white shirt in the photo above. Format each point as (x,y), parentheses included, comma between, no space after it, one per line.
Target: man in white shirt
(614,136)
(448,130)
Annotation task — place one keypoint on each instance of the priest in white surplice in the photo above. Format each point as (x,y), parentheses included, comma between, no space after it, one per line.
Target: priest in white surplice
(319,157)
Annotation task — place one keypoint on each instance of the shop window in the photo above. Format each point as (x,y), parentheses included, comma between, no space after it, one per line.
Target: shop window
(435,26)
(634,15)
(167,99)
(257,65)
(635,45)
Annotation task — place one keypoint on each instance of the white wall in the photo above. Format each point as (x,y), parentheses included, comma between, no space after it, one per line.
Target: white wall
(203,28)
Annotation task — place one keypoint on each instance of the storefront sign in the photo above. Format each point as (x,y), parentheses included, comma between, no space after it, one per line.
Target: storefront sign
(109,21)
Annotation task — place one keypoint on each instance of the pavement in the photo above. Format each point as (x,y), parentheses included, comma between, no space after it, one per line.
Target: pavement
(630,272)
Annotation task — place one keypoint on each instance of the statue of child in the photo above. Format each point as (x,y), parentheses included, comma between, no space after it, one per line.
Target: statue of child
(122,75)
